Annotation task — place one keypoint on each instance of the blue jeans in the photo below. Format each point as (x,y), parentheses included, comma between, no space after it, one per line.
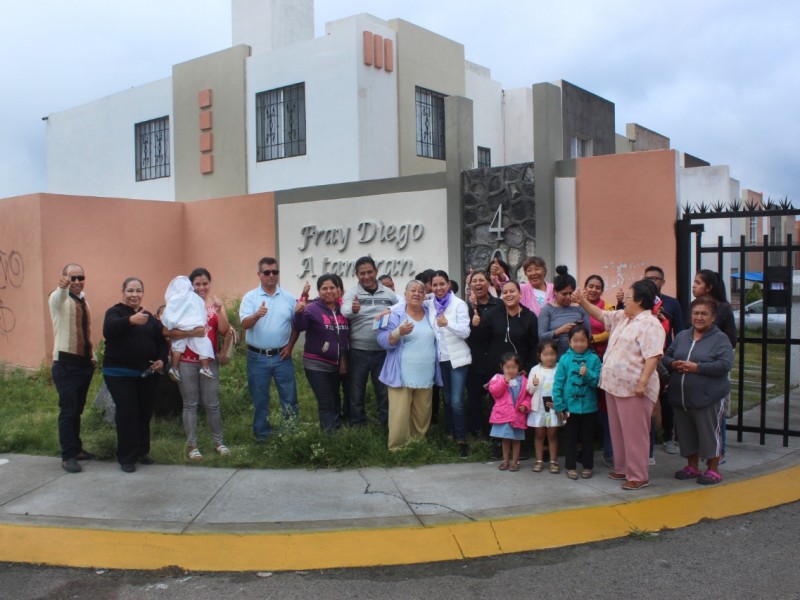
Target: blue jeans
(325,385)
(364,364)
(453,382)
(72,383)
(260,369)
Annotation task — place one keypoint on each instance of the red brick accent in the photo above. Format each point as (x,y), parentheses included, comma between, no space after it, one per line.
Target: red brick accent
(204,98)
(368,53)
(205,120)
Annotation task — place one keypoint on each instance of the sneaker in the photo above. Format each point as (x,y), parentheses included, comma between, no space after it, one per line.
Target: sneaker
(145,459)
(223,450)
(670,447)
(84,455)
(128,467)
(635,485)
(174,375)
(616,476)
(71,465)
(651,461)
(206,373)
(463,450)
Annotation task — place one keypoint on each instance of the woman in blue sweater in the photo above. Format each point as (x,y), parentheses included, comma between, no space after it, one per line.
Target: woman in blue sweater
(575,398)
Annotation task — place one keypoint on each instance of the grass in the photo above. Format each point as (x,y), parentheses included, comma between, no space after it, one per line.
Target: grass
(774,372)
(29,414)
(642,534)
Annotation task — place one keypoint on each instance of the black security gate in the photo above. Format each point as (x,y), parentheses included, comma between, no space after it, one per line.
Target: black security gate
(765,396)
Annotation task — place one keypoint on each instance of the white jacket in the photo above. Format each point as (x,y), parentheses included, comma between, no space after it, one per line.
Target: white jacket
(452,338)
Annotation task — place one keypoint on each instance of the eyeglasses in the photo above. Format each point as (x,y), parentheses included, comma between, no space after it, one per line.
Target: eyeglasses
(268,272)
(655,278)
(77,277)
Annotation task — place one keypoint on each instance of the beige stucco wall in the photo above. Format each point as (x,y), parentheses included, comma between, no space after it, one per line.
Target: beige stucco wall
(23,304)
(626,212)
(112,239)
(430,61)
(224,74)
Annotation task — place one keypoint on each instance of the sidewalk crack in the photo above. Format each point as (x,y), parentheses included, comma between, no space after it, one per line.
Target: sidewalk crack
(210,500)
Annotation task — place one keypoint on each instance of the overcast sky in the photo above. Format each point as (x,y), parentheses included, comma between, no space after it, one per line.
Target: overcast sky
(718,77)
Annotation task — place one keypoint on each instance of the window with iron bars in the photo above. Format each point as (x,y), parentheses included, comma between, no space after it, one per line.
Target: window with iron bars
(484,157)
(281,122)
(152,149)
(430,124)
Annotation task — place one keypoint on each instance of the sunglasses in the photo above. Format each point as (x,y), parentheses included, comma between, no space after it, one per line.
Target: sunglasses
(77,277)
(268,272)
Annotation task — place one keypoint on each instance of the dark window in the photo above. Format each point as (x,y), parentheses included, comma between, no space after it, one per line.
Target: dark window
(430,124)
(281,122)
(152,149)
(484,157)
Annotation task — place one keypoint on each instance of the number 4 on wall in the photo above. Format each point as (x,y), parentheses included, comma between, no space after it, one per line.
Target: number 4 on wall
(496,226)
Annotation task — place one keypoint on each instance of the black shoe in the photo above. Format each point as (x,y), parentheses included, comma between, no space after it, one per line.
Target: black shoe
(146,460)
(497,451)
(84,455)
(463,449)
(71,465)
(128,467)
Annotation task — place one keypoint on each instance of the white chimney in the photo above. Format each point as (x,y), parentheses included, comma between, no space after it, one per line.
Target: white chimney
(268,24)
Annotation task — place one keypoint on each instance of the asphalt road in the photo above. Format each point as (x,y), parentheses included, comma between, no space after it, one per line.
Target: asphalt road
(752,557)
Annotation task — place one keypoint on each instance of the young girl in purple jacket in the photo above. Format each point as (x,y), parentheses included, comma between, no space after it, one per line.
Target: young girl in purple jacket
(511,405)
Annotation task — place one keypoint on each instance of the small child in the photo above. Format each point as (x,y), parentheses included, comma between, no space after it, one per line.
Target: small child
(186,311)
(511,403)
(575,396)
(543,417)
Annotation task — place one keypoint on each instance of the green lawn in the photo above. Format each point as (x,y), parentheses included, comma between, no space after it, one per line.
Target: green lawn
(775,365)
(29,413)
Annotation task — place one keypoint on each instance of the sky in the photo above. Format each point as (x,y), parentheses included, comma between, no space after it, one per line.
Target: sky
(718,77)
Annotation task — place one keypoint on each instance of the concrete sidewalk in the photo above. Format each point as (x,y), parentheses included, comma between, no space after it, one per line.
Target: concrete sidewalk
(272,510)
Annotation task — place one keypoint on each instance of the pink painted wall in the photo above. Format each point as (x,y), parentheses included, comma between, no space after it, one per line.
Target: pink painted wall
(112,239)
(626,212)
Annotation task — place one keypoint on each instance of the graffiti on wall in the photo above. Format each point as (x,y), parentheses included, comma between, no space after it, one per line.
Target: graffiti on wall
(12,274)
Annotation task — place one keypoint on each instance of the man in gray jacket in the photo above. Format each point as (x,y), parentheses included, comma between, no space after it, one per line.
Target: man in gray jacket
(362,305)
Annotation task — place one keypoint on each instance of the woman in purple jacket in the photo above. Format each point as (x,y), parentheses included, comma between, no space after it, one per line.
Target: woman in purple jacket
(325,350)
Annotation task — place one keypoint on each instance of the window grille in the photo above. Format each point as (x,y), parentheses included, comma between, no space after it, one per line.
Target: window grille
(484,157)
(430,124)
(152,149)
(281,122)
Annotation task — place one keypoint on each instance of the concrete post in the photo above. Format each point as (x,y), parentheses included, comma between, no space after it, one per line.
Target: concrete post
(548,148)
(460,157)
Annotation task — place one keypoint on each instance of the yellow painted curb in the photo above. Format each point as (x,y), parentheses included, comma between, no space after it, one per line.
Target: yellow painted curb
(406,545)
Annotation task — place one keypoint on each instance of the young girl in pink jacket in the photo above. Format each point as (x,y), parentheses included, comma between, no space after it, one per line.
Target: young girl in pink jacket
(511,404)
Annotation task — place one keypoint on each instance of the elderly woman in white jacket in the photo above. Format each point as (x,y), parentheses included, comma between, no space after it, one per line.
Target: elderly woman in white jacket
(449,317)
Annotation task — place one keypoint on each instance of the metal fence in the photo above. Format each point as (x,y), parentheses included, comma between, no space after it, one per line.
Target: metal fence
(765,395)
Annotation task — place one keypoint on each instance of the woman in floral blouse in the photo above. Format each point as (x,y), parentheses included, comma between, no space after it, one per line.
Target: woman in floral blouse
(629,379)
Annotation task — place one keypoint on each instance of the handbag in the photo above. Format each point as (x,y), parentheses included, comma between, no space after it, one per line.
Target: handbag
(228,346)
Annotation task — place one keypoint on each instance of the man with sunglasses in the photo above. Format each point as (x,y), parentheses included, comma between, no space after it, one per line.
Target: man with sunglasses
(73,362)
(362,305)
(266,315)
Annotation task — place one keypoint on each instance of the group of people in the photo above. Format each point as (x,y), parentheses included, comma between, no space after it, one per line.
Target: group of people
(136,351)
(549,354)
